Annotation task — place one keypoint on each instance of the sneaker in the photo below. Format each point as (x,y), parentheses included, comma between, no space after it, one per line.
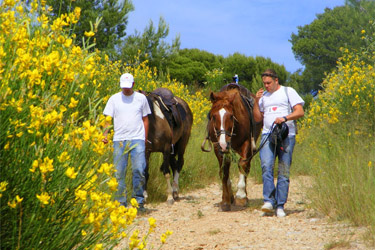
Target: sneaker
(141,209)
(267,207)
(280,212)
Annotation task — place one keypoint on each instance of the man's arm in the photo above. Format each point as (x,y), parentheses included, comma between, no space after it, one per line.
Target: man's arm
(297,113)
(258,116)
(106,129)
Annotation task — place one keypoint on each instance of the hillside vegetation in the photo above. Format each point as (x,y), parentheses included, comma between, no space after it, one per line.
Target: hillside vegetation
(56,174)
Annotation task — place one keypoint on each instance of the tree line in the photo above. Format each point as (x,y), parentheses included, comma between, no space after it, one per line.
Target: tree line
(317,46)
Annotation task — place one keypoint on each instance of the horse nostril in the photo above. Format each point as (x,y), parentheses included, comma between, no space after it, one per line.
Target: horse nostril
(223,146)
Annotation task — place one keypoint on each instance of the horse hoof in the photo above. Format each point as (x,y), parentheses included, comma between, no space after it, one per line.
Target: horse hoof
(240,202)
(170,201)
(175,195)
(225,207)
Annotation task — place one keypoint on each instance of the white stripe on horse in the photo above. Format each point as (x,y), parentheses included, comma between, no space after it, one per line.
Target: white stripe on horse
(157,110)
(241,192)
(222,142)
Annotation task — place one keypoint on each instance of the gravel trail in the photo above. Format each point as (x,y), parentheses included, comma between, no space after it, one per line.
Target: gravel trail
(197,223)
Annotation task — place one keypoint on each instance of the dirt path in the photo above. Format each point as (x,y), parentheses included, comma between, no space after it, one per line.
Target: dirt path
(197,223)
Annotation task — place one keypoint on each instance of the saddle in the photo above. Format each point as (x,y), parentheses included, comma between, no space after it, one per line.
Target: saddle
(171,108)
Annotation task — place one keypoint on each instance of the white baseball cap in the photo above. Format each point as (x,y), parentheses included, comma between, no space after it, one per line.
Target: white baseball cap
(126,80)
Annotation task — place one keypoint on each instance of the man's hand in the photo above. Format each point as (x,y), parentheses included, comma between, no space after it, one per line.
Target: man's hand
(280,120)
(105,140)
(259,94)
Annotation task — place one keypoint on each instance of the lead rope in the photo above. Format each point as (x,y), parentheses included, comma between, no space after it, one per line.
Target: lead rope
(262,144)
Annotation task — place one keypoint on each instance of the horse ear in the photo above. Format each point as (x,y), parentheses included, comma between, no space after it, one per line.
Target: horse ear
(212,97)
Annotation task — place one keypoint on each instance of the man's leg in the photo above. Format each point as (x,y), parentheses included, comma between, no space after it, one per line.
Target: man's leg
(267,158)
(138,168)
(285,161)
(120,161)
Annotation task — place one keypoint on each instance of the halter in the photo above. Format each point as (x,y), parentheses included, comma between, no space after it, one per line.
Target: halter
(225,132)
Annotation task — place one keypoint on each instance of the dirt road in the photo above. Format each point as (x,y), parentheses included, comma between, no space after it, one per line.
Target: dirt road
(198,224)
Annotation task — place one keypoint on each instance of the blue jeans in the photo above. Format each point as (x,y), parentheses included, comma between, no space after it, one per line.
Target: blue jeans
(276,195)
(120,161)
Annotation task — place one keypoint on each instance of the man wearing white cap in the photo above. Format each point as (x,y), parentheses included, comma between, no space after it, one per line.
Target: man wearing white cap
(129,110)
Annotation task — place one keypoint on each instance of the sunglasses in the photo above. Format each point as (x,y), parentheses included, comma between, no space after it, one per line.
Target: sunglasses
(270,75)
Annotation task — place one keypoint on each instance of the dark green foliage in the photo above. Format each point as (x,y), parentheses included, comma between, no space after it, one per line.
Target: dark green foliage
(187,71)
(150,46)
(317,45)
(113,14)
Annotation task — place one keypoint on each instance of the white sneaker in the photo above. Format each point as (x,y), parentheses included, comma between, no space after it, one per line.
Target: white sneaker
(280,212)
(267,207)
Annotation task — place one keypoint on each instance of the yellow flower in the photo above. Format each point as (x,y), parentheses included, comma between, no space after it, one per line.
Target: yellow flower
(73,103)
(112,184)
(43,198)
(70,173)
(98,247)
(12,204)
(89,34)
(81,194)
(369,164)
(134,202)
(18,199)
(363,31)
(63,157)
(3,186)
(68,42)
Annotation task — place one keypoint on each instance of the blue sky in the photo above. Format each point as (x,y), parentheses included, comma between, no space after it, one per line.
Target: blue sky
(223,27)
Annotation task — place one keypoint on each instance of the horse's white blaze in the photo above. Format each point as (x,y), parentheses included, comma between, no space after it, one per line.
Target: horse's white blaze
(222,142)
(157,110)
(241,187)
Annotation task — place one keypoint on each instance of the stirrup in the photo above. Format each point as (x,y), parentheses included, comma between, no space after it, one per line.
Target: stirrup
(172,149)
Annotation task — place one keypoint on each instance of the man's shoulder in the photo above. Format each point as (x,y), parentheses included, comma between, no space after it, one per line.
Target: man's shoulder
(139,95)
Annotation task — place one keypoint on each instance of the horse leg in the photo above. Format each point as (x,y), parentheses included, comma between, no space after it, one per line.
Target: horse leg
(244,169)
(180,147)
(147,175)
(165,169)
(176,173)
(227,198)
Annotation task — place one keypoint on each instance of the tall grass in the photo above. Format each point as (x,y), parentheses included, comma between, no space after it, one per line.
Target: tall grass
(200,168)
(337,143)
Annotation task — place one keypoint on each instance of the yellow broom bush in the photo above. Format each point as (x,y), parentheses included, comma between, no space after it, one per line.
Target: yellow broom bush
(57,179)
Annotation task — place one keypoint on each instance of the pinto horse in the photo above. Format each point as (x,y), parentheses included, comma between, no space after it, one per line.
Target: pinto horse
(170,125)
(231,126)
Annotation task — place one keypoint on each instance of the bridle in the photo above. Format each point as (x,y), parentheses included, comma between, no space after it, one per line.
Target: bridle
(220,132)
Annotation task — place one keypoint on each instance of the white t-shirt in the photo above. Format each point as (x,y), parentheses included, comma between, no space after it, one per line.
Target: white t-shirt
(127,113)
(276,104)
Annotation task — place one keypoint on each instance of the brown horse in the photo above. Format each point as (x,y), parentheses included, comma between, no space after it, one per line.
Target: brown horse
(232,127)
(169,130)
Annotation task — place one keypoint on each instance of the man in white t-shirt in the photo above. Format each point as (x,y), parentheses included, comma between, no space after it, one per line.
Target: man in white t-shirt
(129,110)
(277,105)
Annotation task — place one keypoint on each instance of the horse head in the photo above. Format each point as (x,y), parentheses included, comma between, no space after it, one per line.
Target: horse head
(222,119)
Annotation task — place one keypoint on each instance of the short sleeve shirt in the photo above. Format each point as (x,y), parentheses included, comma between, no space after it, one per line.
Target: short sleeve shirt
(277,104)
(127,113)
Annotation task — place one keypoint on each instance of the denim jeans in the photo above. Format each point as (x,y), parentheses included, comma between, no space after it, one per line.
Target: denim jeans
(276,195)
(138,160)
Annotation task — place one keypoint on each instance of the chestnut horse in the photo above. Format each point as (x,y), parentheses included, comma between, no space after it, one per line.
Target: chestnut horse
(170,125)
(230,127)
